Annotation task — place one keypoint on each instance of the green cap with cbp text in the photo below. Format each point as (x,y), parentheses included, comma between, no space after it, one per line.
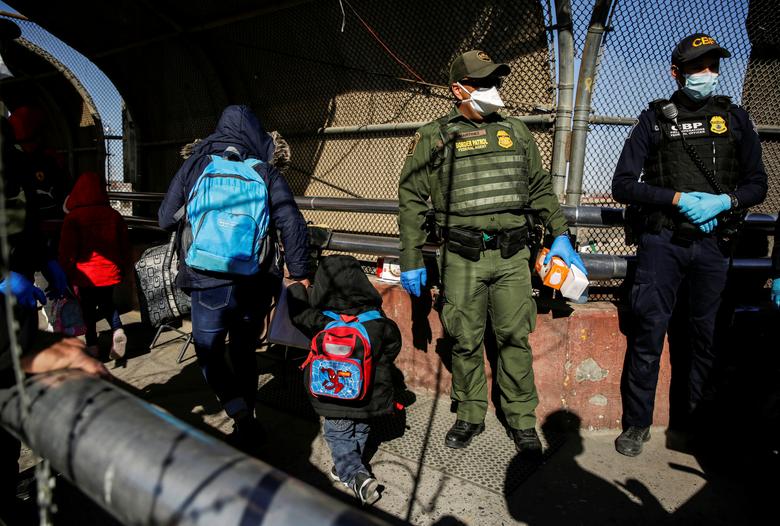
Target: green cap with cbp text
(476,64)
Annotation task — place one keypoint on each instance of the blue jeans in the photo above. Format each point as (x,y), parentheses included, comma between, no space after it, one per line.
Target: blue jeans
(97,303)
(346,439)
(661,268)
(235,311)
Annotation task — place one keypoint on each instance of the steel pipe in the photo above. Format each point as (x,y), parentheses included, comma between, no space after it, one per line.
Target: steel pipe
(137,197)
(600,266)
(582,105)
(340,204)
(611,119)
(590,216)
(605,266)
(144,466)
(367,244)
(593,216)
(563,114)
(391,127)
(752,264)
(579,215)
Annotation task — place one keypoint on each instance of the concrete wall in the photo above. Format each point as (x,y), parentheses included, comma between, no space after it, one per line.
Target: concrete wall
(578,350)
(578,357)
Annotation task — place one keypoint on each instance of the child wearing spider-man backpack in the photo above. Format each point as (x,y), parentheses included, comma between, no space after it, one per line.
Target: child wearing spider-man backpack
(342,298)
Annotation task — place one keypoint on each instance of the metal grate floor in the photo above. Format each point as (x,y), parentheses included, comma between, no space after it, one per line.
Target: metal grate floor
(417,434)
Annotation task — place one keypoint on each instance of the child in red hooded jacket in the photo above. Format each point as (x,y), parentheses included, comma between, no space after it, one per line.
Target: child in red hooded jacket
(95,253)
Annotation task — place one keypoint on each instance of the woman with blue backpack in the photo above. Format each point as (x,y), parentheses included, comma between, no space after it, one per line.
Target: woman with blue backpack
(348,374)
(227,202)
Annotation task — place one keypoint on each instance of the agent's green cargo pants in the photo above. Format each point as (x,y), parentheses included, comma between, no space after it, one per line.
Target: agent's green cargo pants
(501,288)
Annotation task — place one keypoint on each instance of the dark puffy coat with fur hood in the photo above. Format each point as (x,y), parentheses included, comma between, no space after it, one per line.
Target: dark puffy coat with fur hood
(240,129)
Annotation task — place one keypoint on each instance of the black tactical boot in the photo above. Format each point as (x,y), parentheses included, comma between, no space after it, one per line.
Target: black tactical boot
(631,440)
(526,441)
(460,434)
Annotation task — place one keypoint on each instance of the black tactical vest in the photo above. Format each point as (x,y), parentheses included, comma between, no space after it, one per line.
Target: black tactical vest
(709,131)
(484,169)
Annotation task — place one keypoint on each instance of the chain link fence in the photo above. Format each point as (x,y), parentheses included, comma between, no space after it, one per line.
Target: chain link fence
(382,68)
(309,70)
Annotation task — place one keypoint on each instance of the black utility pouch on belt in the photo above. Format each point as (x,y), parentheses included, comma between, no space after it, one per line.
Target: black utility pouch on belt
(464,243)
(512,241)
(685,234)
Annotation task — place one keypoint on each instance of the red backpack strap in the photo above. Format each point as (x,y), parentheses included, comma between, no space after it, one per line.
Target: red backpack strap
(347,318)
(312,352)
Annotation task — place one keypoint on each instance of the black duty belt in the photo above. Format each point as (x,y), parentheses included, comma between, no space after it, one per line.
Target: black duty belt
(470,244)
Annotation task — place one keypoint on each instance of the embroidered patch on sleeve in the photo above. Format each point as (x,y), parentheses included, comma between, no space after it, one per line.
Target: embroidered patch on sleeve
(413,144)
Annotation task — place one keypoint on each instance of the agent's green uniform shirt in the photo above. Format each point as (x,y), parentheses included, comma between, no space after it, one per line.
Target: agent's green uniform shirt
(499,163)
(420,180)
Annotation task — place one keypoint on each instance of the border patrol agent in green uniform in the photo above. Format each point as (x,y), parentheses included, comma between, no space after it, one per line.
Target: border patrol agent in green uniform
(480,170)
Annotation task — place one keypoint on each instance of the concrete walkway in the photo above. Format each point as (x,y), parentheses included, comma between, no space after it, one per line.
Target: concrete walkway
(581,480)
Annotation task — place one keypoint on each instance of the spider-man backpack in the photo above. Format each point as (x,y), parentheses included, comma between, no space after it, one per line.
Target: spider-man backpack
(340,357)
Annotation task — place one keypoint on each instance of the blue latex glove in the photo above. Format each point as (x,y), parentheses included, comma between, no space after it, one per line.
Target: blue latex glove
(775,294)
(709,226)
(26,293)
(708,206)
(687,202)
(561,247)
(58,281)
(413,280)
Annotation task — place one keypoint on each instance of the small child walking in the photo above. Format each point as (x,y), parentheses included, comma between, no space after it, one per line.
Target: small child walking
(342,289)
(94,252)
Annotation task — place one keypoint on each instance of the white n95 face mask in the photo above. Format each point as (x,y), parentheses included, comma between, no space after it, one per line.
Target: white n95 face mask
(484,100)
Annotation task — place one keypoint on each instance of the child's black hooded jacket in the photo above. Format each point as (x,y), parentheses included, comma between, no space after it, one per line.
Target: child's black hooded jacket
(341,286)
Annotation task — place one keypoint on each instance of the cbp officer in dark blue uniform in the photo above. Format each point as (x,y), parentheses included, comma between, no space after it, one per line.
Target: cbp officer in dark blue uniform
(685,171)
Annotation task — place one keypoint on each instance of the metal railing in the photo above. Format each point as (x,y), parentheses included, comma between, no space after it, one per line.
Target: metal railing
(591,216)
(600,266)
(158,469)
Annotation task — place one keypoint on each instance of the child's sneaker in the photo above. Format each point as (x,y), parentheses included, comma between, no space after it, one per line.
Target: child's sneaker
(335,476)
(119,345)
(365,488)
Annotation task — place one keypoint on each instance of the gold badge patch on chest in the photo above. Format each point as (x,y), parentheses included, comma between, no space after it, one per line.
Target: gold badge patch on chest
(718,125)
(504,139)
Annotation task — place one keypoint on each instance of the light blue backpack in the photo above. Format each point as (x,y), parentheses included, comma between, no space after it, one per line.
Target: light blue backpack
(228,214)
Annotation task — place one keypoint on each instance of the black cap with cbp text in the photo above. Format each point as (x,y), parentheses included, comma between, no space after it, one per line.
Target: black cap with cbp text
(696,45)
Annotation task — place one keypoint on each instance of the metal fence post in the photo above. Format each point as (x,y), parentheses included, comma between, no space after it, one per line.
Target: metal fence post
(585,84)
(561,141)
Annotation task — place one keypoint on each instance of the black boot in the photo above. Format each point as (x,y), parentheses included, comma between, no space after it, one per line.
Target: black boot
(631,440)
(460,434)
(248,435)
(526,441)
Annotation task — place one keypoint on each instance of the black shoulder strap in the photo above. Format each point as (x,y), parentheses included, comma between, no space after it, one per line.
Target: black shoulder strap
(722,102)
